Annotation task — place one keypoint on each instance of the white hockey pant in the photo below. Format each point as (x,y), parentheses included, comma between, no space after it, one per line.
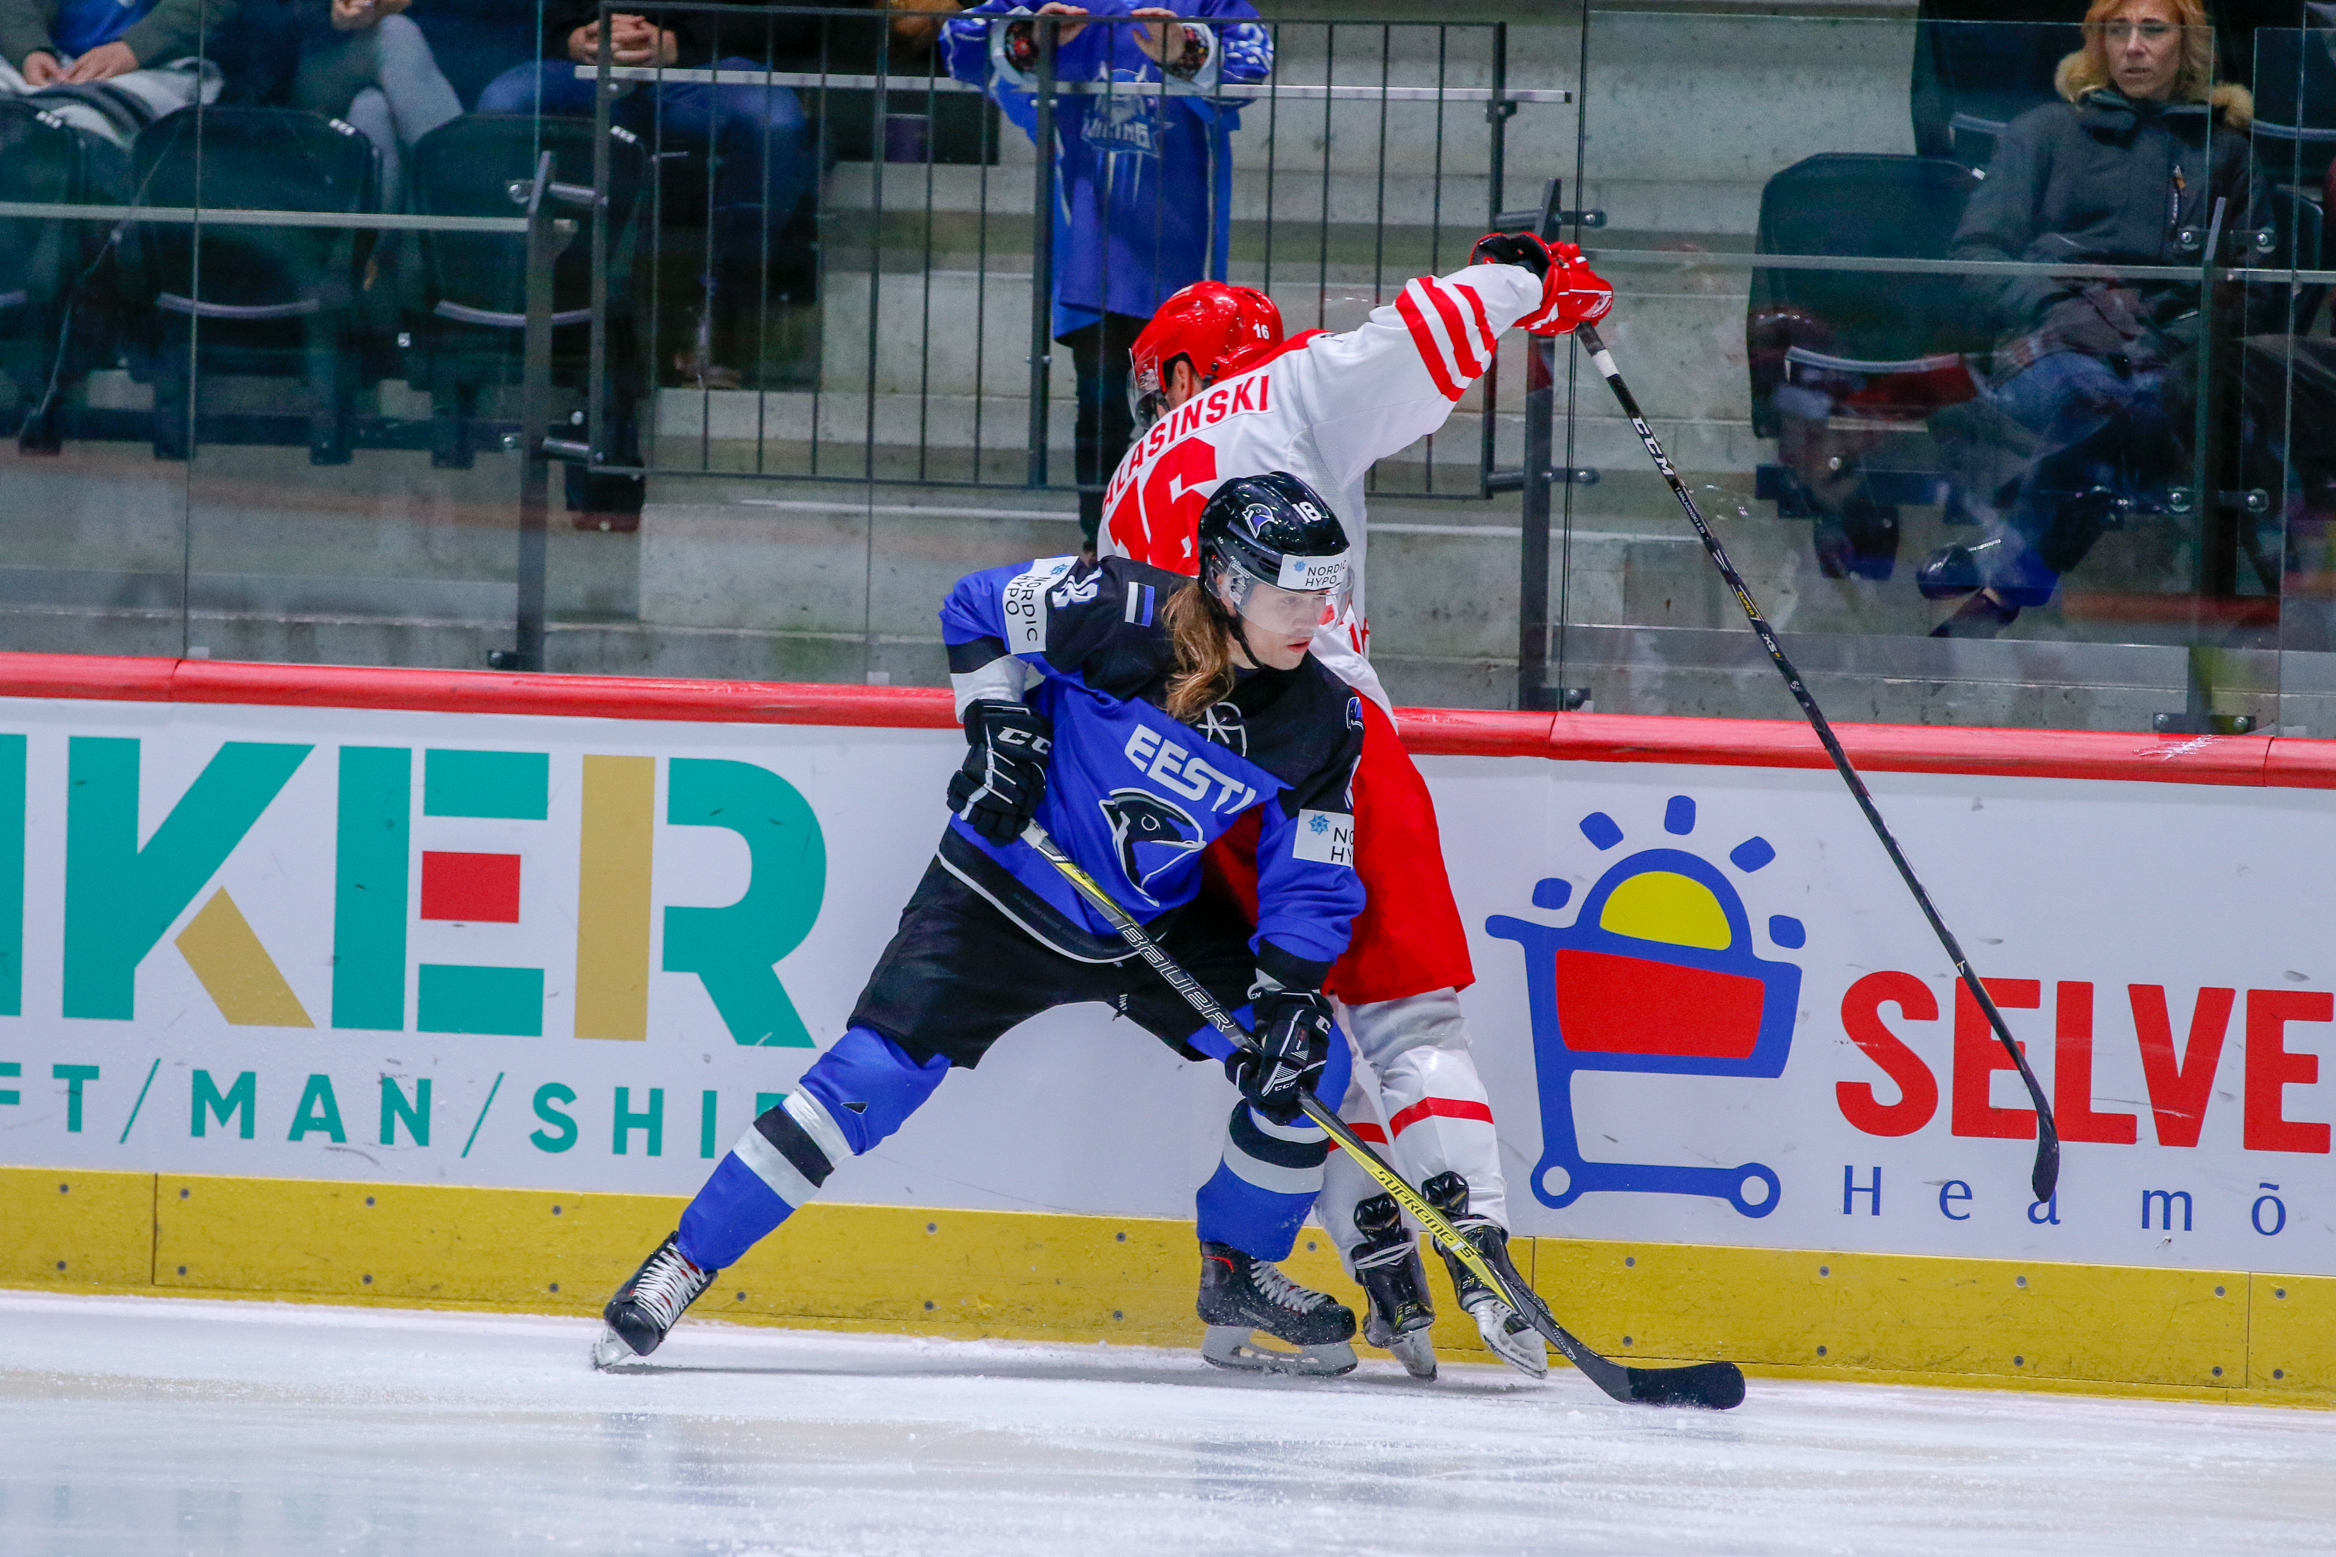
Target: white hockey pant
(1430,1092)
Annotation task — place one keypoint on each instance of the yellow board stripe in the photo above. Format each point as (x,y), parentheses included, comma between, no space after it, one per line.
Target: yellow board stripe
(1999,1324)
(612,897)
(242,980)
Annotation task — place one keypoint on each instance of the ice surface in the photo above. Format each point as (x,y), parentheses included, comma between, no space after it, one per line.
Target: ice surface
(153,1426)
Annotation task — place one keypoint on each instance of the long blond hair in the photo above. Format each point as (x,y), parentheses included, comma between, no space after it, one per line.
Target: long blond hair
(1203,672)
(2194,82)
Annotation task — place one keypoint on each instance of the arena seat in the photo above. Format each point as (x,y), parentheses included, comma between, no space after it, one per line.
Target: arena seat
(1867,354)
(468,324)
(229,298)
(43,161)
(1971,78)
(2299,236)
(2295,103)
(1882,326)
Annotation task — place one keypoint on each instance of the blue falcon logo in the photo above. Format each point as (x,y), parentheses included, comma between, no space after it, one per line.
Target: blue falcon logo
(1153,835)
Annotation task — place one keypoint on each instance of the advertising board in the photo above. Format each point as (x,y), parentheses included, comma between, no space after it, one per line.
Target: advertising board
(581,952)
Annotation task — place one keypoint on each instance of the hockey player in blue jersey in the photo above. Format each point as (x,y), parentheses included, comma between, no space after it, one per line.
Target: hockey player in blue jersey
(1143,172)
(1135,714)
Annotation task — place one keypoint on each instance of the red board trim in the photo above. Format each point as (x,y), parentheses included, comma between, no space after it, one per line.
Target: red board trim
(2252,761)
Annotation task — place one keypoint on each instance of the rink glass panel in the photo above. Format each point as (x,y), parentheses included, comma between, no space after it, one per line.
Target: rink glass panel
(1850,396)
(779,480)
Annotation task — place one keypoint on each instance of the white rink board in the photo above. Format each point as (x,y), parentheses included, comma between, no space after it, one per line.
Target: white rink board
(2160,887)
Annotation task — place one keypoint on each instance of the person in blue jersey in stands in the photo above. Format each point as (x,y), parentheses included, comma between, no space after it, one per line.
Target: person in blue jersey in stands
(1136,714)
(1144,176)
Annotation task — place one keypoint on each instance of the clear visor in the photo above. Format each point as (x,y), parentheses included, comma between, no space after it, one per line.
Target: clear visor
(1145,397)
(1282,613)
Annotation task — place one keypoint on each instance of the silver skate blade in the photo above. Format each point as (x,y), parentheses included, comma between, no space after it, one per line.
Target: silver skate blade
(1416,1351)
(1235,1347)
(1522,1350)
(609,1350)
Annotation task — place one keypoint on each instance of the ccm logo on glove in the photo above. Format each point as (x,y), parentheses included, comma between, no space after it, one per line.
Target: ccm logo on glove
(1003,778)
(1293,1044)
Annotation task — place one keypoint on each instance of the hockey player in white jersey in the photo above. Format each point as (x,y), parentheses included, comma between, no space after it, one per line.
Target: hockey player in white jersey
(1223,394)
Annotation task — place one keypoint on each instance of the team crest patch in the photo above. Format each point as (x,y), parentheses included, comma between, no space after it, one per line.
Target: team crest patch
(1153,835)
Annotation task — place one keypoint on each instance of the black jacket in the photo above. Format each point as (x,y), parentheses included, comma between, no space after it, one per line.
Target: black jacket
(2102,181)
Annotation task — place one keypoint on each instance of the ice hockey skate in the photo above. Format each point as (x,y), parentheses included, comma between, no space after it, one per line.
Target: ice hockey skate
(1387,1264)
(1510,1338)
(647,1306)
(1242,1298)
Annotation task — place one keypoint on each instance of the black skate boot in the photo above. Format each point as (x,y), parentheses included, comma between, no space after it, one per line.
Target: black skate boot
(1387,1264)
(645,1308)
(1239,1295)
(1512,1339)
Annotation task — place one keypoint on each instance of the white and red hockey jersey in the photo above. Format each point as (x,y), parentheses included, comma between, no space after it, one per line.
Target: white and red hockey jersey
(1324,408)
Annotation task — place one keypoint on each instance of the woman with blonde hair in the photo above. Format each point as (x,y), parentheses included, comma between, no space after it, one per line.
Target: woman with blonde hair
(2144,159)
(1136,715)
(2181,39)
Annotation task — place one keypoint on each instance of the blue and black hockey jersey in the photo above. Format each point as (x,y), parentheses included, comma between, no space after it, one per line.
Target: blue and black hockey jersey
(1135,796)
(1144,172)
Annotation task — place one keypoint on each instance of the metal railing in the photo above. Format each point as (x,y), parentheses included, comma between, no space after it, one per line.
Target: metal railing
(788,430)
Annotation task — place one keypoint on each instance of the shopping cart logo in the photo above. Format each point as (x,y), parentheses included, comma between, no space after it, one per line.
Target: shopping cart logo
(1656,975)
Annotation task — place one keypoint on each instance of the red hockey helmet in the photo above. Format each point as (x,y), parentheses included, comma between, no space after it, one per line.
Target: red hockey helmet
(1219,329)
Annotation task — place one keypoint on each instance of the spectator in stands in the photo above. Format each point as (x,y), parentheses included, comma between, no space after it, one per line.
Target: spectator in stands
(2129,170)
(109,68)
(916,24)
(1144,193)
(2288,416)
(364,63)
(753,136)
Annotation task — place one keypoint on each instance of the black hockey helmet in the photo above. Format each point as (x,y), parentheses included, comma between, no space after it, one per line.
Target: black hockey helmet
(1275,530)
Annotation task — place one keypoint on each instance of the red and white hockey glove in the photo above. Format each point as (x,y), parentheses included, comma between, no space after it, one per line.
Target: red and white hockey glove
(1571,292)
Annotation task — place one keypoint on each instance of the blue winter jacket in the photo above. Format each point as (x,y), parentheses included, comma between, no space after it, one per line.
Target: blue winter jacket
(1144,187)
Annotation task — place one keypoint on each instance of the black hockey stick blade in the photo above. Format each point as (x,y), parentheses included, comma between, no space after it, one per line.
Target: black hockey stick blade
(1714,1386)
(1705,1386)
(2044,1177)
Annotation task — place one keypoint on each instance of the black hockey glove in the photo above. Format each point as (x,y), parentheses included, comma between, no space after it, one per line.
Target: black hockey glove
(1511,248)
(1293,1044)
(1004,776)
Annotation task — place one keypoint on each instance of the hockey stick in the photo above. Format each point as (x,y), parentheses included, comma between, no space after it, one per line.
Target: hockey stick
(2045,1176)
(1715,1386)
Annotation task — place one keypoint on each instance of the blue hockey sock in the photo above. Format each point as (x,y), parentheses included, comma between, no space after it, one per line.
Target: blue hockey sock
(1271,1172)
(853,1096)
